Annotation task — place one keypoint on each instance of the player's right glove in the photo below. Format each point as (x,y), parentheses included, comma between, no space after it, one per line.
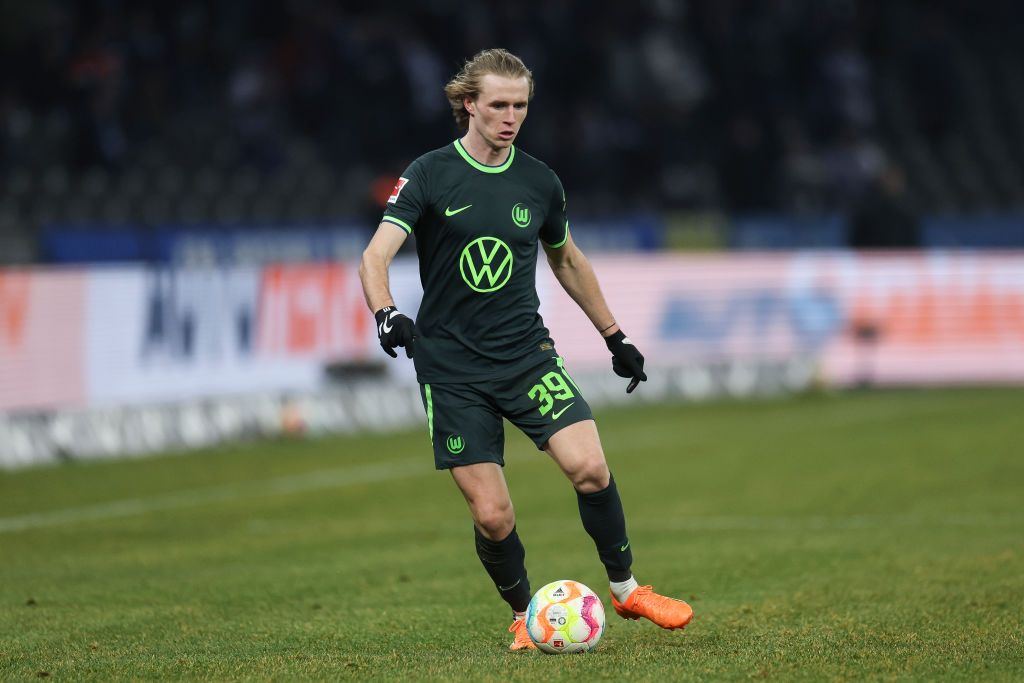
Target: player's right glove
(395,329)
(627,361)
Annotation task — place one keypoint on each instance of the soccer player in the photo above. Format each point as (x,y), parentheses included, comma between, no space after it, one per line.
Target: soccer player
(478,207)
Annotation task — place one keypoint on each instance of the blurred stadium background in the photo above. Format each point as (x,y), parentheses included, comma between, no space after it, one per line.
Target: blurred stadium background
(777,195)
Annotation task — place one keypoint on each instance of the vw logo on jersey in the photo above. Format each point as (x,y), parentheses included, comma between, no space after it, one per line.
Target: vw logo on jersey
(486,264)
(521,215)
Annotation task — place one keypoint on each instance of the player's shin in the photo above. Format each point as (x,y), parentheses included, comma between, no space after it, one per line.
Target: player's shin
(603,518)
(504,561)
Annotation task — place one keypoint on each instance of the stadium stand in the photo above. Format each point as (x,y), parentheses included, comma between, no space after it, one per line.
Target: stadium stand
(122,118)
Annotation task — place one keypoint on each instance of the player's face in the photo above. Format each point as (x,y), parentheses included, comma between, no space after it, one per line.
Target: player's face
(500,109)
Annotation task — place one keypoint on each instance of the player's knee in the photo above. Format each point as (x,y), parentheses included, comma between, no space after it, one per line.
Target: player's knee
(592,476)
(495,521)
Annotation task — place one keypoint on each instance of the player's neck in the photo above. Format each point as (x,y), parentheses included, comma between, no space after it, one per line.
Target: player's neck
(482,151)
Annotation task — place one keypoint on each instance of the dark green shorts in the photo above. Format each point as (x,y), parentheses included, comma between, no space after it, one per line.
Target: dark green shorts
(465,420)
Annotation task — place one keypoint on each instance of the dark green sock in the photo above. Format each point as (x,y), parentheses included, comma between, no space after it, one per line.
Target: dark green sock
(504,561)
(603,518)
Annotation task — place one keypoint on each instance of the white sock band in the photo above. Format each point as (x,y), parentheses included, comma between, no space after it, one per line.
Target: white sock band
(622,589)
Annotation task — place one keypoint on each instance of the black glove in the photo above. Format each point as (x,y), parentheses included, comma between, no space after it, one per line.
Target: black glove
(394,329)
(626,360)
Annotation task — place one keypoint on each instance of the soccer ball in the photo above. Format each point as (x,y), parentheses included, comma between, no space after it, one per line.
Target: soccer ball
(565,616)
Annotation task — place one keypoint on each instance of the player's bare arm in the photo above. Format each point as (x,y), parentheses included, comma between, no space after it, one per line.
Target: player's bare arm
(393,328)
(574,272)
(373,269)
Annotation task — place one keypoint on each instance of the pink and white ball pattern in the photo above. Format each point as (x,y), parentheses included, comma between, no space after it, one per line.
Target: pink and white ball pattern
(565,616)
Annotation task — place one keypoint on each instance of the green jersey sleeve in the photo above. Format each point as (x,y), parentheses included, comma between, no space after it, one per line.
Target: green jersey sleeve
(555,230)
(408,201)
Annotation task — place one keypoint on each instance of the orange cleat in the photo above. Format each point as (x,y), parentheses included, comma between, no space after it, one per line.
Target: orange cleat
(522,641)
(665,612)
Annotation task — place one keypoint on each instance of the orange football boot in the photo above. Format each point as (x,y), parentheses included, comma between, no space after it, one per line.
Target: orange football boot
(522,641)
(665,612)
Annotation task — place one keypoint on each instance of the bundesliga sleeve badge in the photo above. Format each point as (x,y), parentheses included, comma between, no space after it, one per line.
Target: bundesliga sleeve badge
(397,191)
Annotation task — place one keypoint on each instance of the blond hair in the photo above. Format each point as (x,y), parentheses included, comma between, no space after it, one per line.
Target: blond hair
(468,81)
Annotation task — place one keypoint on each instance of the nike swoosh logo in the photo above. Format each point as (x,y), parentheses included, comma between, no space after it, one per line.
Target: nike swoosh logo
(449,212)
(508,588)
(623,548)
(558,413)
(386,323)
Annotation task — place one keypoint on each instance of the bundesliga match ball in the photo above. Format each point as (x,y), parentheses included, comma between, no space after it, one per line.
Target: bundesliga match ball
(565,616)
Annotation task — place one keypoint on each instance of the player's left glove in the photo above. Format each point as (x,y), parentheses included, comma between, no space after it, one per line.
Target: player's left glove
(395,329)
(627,361)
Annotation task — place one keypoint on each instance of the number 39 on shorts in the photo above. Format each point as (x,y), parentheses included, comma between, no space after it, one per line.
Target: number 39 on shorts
(552,386)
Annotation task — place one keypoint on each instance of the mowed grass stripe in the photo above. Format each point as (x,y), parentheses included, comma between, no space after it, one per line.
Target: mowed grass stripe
(301,483)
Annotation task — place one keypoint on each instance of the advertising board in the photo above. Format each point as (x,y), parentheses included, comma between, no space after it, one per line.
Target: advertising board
(114,335)
(42,316)
(156,334)
(901,318)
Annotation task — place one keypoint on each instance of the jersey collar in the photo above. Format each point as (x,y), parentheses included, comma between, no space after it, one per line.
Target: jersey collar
(483,167)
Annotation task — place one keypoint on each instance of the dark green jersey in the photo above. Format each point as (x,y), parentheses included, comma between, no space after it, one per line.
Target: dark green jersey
(476,231)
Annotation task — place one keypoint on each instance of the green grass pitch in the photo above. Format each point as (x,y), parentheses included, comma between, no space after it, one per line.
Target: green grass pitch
(855,536)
